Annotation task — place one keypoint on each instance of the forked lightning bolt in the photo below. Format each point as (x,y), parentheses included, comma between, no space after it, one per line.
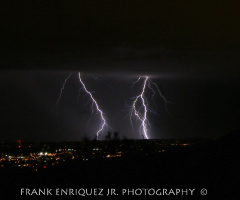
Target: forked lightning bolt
(94,103)
(142,115)
(142,118)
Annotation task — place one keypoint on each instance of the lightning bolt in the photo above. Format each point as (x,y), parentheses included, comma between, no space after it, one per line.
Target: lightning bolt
(61,92)
(95,104)
(161,95)
(142,118)
(141,113)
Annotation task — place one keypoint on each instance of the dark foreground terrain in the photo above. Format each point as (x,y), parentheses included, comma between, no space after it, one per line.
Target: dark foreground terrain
(213,165)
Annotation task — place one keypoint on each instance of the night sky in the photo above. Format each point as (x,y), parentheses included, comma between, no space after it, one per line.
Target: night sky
(189,49)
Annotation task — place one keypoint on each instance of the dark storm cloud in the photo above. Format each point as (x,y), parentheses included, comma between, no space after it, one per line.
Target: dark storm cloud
(165,64)
(134,62)
(181,38)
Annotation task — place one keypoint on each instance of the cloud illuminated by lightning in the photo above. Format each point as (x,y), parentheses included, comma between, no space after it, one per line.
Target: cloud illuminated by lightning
(141,113)
(95,104)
